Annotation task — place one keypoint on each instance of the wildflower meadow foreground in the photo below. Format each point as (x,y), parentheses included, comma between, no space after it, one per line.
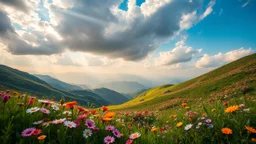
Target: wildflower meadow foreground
(29,119)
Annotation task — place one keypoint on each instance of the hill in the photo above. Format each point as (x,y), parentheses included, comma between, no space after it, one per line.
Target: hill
(230,75)
(124,86)
(24,82)
(60,85)
(134,94)
(111,96)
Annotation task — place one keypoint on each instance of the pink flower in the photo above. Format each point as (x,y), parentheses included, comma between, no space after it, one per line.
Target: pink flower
(77,123)
(5,98)
(129,141)
(109,139)
(95,129)
(90,124)
(241,106)
(28,132)
(117,133)
(82,117)
(208,121)
(109,128)
(45,111)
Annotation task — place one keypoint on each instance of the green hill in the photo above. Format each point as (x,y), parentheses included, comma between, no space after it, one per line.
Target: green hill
(123,86)
(24,82)
(60,85)
(203,86)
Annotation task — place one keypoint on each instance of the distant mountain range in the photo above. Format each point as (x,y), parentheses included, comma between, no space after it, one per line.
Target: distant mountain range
(124,86)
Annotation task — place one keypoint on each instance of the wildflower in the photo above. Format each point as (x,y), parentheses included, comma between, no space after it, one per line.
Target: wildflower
(32,110)
(30,102)
(187,107)
(70,104)
(42,137)
(154,129)
(55,107)
(213,110)
(28,132)
(129,141)
(210,125)
(95,129)
(59,121)
(109,139)
(81,109)
(199,123)
(202,118)
(241,106)
(184,104)
(204,115)
(82,116)
(93,112)
(109,128)
(187,127)
(70,124)
(37,132)
(5,98)
(104,108)
(179,124)
(231,109)
(90,123)
(250,129)
(173,116)
(45,111)
(67,112)
(225,103)
(45,124)
(135,135)
(197,127)
(226,131)
(246,110)
(77,123)
(253,139)
(208,121)
(87,133)
(38,122)
(20,104)
(109,116)
(116,133)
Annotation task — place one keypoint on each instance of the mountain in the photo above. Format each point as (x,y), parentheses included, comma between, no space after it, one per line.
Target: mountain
(24,82)
(232,78)
(60,85)
(123,86)
(135,94)
(111,96)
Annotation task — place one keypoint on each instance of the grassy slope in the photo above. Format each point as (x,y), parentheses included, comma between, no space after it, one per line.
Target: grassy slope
(201,86)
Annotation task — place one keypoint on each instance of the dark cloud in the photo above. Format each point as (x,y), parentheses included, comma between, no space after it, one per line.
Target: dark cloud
(18,4)
(5,24)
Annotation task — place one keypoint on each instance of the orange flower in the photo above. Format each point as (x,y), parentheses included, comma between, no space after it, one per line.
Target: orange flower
(71,104)
(226,131)
(154,129)
(81,109)
(93,112)
(232,109)
(253,139)
(184,104)
(250,129)
(42,137)
(179,124)
(109,116)
(104,108)
(204,114)
(173,116)
(37,132)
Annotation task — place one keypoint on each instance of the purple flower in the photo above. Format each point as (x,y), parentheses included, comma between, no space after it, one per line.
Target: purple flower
(109,128)
(28,132)
(109,139)
(117,133)
(90,124)
(77,123)
(45,111)
(5,98)
(208,121)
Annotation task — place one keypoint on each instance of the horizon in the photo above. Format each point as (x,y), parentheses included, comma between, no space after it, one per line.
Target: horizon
(83,42)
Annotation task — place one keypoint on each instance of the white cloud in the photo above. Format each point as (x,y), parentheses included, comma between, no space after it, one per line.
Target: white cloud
(245,4)
(221,59)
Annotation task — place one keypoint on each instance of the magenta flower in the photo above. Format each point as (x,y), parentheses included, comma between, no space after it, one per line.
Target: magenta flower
(117,133)
(208,121)
(129,141)
(77,123)
(109,139)
(82,117)
(45,111)
(95,129)
(90,124)
(241,106)
(28,132)
(5,98)
(109,128)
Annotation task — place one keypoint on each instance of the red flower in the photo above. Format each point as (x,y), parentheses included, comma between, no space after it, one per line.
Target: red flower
(104,108)
(93,112)
(225,103)
(30,102)
(71,104)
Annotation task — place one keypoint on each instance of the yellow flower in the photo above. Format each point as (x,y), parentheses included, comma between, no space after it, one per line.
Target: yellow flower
(173,116)
(42,137)
(232,109)
(226,131)
(167,121)
(253,139)
(213,110)
(250,129)
(154,129)
(187,107)
(179,124)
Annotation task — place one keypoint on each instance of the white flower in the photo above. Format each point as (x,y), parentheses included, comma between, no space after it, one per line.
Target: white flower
(55,107)
(246,110)
(187,127)
(87,133)
(70,124)
(197,127)
(32,110)
(38,122)
(58,121)
(202,118)
(199,123)
(67,112)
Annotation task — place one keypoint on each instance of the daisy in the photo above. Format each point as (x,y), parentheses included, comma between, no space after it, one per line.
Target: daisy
(37,132)
(208,121)
(59,121)
(187,127)
(38,122)
(109,128)
(241,106)
(70,124)
(116,133)
(135,135)
(82,116)
(232,109)
(109,139)
(90,123)
(45,111)
(55,107)
(32,110)
(199,123)
(67,112)
(87,133)
(28,132)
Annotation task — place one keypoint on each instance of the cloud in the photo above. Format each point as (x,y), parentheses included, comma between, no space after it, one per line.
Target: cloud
(17,4)
(221,59)
(180,54)
(245,4)
(66,61)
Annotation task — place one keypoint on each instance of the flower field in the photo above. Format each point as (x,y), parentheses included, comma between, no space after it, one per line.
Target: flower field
(28,119)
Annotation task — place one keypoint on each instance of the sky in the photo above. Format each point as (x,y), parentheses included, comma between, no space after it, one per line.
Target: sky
(149,41)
